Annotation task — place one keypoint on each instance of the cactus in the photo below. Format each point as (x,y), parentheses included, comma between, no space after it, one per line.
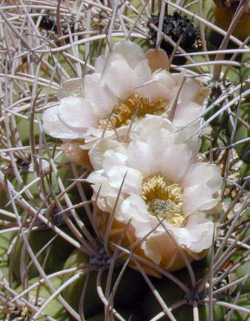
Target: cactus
(52,251)
(125,295)
(75,239)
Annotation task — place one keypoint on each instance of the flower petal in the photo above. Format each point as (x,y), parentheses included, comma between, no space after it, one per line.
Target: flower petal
(130,51)
(103,100)
(110,150)
(133,210)
(153,136)
(160,248)
(56,128)
(114,158)
(150,126)
(193,90)
(76,113)
(143,72)
(165,247)
(199,198)
(160,86)
(186,113)
(142,158)
(119,78)
(107,195)
(201,188)
(71,87)
(188,123)
(204,173)
(157,59)
(195,237)
(175,161)
(127,179)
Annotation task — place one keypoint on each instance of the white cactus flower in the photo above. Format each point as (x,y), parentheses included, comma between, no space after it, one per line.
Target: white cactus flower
(165,193)
(122,88)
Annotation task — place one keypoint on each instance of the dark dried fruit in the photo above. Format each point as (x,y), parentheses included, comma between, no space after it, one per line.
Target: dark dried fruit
(180,29)
(48,23)
(23,165)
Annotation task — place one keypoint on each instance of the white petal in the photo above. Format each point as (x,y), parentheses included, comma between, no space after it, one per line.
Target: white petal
(202,186)
(120,78)
(192,90)
(141,157)
(197,218)
(161,85)
(188,135)
(165,246)
(114,158)
(56,128)
(175,161)
(198,198)
(98,153)
(94,134)
(130,51)
(71,87)
(107,195)
(143,72)
(76,113)
(150,126)
(126,179)
(98,178)
(196,238)
(159,246)
(204,173)
(133,210)
(187,121)
(102,99)
(159,153)
(187,112)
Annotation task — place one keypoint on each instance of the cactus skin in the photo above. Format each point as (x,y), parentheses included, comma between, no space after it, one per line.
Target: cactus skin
(171,294)
(5,241)
(129,315)
(59,251)
(127,293)
(241,272)
(54,308)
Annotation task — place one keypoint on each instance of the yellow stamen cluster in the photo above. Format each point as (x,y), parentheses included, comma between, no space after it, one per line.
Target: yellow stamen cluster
(164,199)
(135,105)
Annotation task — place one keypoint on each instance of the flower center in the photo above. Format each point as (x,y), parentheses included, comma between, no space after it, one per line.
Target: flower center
(164,199)
(134,105)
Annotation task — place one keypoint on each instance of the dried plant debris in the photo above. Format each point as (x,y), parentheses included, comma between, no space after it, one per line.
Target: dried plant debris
(124,160)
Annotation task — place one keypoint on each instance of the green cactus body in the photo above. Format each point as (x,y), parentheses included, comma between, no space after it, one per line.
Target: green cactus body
(172,294)
(244,301)
(5,240)
(241,272)
(127,293)
(127,314)
(59,250)
(40,294)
